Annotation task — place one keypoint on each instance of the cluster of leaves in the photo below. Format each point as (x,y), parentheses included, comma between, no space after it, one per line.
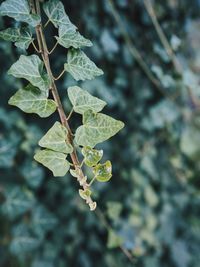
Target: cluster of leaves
(153,203)
(34,98)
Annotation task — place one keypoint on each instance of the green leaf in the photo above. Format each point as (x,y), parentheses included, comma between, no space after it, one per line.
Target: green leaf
(72,39)
(54,161)
(42,220)
(91,156)
(114,240)
(80,66)
(55,12)
(20,11)
(31,69)
(68,36)
(17,202)
(96,128)
(84,194)
(21,37)
(32,173)
(23,241)
(82,100)
(31,100)
(114,210)
(103,172)
(55,139)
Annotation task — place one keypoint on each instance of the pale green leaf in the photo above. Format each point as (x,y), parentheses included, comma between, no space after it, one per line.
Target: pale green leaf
(84,194)
(20,11)
(55,12)
(43,220)
(74,173)
(114,240)
(17,202)
(80,66)
(54,161)
(21,36)
(55,139)
(82,100)
(31,69)
(68,36)
(23,241)
(103,172)
(96,128)
(91,156)
(72,38)
(30,100)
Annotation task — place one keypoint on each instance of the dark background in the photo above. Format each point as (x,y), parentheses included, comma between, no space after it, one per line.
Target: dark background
(152,203)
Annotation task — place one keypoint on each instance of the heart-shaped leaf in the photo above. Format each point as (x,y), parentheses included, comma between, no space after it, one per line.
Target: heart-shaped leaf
(20,11)
(96,128)
(82,100)
(103,172)
(31,69)
(72,39)
(56,139)
(21,37)
(54,161)
(55,12)
(91,156)
(31,100)
(80,66)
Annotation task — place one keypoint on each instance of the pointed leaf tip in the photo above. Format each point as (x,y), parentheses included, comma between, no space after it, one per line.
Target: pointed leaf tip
(80,66)
(56,139)
(82,100)
(96,128)
(54,161)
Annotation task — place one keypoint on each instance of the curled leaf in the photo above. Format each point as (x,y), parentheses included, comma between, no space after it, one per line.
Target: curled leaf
(91,156)
(103,172)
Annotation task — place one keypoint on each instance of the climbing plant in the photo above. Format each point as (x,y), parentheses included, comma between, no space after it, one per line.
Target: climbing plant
(41,95)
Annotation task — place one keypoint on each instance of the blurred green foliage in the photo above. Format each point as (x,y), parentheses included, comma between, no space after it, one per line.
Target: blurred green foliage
(153,200)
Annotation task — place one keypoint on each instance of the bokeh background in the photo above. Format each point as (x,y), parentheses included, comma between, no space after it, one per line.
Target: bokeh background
(149,212)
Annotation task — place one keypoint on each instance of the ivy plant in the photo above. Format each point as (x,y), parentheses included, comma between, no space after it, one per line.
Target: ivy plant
(41,95)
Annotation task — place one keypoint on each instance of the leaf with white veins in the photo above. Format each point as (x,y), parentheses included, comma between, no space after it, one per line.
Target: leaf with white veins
(56,139)
(55,12)
(91,156)
(96,128)
(80,66)
(103,172)
(22,37)
(30,100)
(31,68)
(54,161)
(71,38)
(20,11)
(82,100)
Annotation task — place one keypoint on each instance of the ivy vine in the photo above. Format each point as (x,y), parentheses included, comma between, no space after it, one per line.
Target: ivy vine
(41,95)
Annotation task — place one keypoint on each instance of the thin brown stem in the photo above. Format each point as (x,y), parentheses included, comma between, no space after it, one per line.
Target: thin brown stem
(103,220)
(92,181)
(59,76)
(34,46)
(47,23)
(70,114)
(149,7)
(136,54)
(54,47)
(133,50)
(45,56)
